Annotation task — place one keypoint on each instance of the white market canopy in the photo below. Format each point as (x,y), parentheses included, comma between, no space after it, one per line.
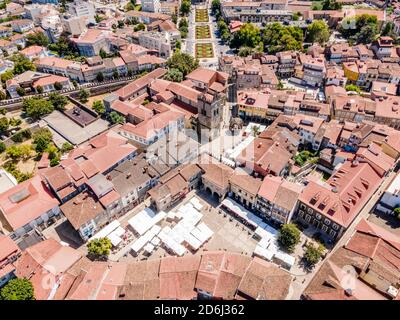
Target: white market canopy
(103,233)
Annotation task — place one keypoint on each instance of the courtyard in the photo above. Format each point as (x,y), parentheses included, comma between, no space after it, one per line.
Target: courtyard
(64,129)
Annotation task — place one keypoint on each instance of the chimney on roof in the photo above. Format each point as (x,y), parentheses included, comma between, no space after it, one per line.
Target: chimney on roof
(128,175)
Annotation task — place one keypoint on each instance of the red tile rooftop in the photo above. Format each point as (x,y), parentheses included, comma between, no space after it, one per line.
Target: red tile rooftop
(8,248)
(26,202)
(44,262)
(344,193)
(103,151)
(130,89)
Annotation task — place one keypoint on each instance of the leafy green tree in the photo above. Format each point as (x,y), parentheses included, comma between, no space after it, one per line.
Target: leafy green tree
(183,23)
(389,31)
(2,147)
(277,38)
(58,85)
(116,117)
(17,289)
(121,24)
(360,29)
(289,236)
(53,152)
(174,75)
(248,35)
(397,212)
(98,18)
(37,107)
(296,16)
(139,27)
(102,53)
(8,75)
(174,18)
(318,31)
(16,152)
(245,51)
(215,6)
(39,89)
(14,122)
(98,106)
(58,101)
(185,7)
(3,111)
(99,248)
(37,38)
(54,162)
(100,77)
(22,64)
(66,147)
(183,62)
(64,47)
(331,5)
(42,139)
(83,95)
(223,30)
(4,124)
(21,92)
(178,44)
(353,87)
(367,34)
(313,253)
(129,7)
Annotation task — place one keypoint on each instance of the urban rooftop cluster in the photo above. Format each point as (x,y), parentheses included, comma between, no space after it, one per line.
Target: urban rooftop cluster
(204,149)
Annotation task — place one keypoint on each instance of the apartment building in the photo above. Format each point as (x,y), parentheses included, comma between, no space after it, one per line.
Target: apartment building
(151,6)
(162,42)
(91,42)
(277,199)
(244,189)
(256,11)
(84,9)
(27,206)
(332,207)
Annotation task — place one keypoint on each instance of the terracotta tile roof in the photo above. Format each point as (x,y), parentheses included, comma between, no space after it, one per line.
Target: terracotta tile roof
(52,79)
(45,262)
(8,248)
(32,50)
(26,202)
(246,182)
(81,209)
(54,62)
(264,281)
(218,174)
(344,193)
(152,126)
(130,89)
(103,151)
